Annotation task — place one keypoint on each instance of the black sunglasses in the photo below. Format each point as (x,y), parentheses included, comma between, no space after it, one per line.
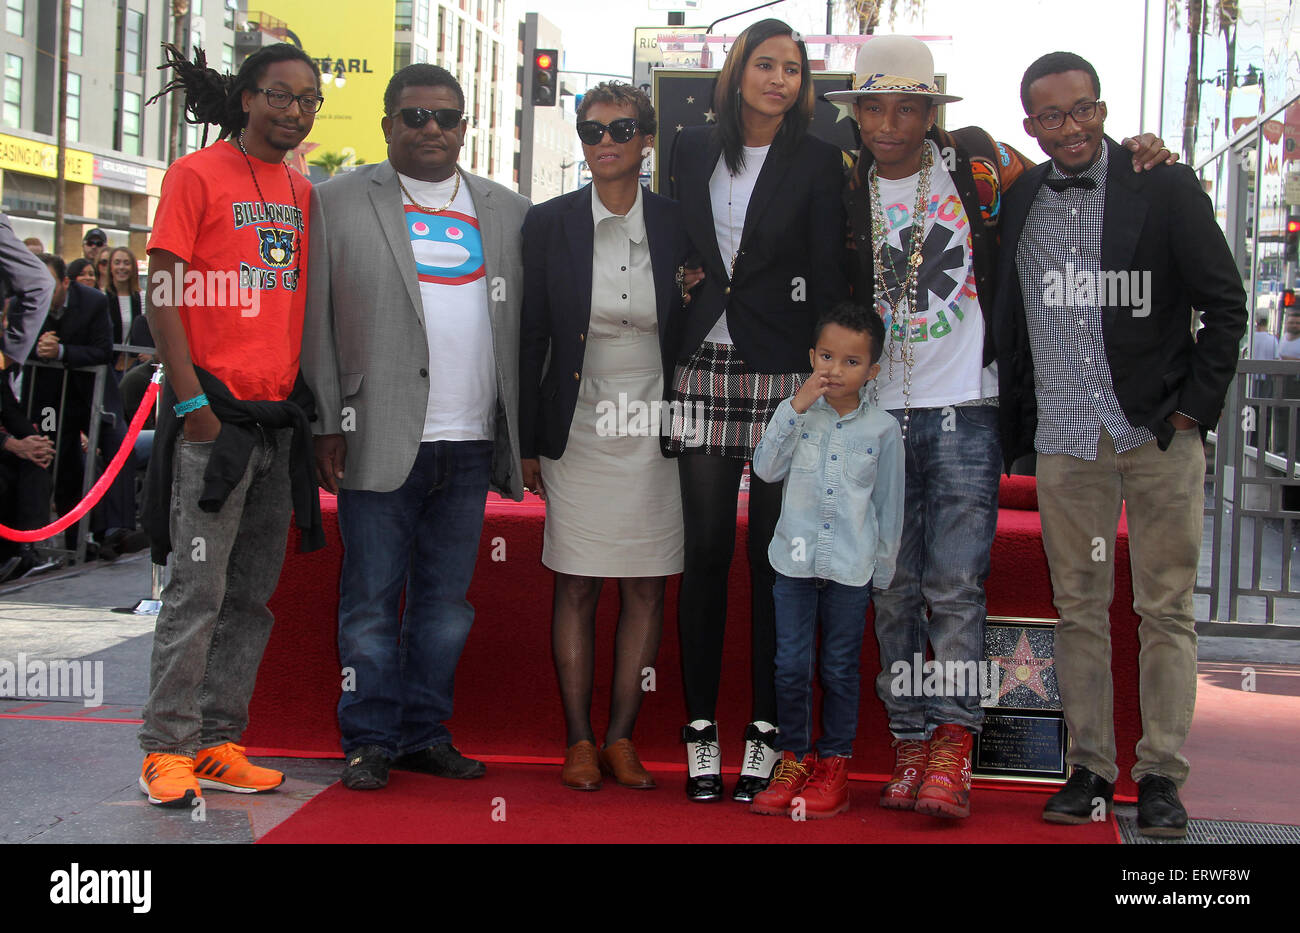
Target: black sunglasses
(416,117)
(620,131)
(96,242)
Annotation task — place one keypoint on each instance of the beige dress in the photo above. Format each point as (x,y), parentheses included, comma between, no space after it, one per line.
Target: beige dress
(613,501)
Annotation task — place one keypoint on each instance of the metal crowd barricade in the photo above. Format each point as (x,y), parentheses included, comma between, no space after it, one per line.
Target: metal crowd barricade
(100,373)
(1254,506)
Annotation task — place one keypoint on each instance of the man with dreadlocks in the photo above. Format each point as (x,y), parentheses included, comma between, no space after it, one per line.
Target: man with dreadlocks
(233,451)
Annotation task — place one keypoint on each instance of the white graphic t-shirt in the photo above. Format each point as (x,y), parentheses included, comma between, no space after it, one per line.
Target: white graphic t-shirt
(448,252)
(946,332)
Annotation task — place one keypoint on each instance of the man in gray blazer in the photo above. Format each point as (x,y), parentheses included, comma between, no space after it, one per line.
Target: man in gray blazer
(411,346)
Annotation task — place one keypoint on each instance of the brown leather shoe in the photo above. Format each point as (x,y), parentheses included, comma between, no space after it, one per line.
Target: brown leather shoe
(581,772)
(621,761)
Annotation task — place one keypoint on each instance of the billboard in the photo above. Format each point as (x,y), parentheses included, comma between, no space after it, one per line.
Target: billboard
(357,48)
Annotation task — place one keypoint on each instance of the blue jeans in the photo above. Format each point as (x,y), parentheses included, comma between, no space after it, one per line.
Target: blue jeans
(802,605)
(950,517)
(422,537)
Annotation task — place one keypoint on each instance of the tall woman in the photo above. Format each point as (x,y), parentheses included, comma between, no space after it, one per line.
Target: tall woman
(600,268)
(762,204)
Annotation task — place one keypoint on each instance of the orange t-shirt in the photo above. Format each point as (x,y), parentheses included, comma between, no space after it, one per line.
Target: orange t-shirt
(242,297)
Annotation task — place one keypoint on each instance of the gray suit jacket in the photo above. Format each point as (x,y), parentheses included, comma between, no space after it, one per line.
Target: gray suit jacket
(363,343)
(32,287)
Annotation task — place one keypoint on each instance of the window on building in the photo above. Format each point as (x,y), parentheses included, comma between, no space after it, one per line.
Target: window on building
(115,207)
(76,17)
(419,53)
(196,7)
(403,14)
(196,40)
(422,18)
(401,55)
(72,119)
(227,57)
(193,141)
(228,18)
(13,115)
(14,16)
(442,29)
(131,123)
(132,42)
(460,42)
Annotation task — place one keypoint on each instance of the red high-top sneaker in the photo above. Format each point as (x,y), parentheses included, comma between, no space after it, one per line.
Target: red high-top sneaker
(827,791)
(910,757)
(945,791)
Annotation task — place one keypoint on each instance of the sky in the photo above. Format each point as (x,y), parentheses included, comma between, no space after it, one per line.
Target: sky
(991,45)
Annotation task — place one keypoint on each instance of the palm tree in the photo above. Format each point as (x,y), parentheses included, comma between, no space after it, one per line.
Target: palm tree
(334,162)
(868,12)
(1223,14)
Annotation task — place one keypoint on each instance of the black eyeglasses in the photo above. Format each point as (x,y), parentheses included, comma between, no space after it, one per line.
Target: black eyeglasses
(620,131)
(1055,119)
(280,100)
(416,117)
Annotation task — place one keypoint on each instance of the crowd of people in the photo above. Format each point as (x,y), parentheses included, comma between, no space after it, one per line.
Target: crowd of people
(875,337)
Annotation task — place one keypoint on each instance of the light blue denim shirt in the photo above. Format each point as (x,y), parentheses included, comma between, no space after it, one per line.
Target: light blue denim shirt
(842,508)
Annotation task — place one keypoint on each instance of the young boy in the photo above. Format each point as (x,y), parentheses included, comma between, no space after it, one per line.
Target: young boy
(839,531)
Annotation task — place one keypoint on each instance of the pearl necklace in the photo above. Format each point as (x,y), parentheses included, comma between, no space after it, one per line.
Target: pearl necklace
(899,350)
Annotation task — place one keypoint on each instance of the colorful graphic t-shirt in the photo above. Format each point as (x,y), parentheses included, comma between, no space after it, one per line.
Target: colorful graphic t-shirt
(448,249)
(947,330)
(241,299)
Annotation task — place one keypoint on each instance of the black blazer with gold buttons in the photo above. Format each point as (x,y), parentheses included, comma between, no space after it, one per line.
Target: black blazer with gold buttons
(559,248)
(790,259)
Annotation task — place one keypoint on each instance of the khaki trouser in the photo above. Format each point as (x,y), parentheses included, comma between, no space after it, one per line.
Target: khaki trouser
(1079,501)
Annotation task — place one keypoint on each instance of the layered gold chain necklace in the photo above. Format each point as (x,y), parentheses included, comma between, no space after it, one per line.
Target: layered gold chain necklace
(899,349)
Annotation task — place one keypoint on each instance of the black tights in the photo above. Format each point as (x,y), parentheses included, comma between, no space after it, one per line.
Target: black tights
(709,489)
(573,645)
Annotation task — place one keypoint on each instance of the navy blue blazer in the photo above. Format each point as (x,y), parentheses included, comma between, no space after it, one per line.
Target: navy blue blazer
(559,249)
(1160,222)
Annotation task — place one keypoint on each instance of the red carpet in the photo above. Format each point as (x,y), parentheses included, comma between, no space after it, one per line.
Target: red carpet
(506,699)
(416,808)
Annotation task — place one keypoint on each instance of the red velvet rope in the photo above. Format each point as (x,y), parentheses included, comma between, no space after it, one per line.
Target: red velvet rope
(101,485)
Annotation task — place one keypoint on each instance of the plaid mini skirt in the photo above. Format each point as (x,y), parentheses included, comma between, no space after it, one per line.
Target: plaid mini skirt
(720,406)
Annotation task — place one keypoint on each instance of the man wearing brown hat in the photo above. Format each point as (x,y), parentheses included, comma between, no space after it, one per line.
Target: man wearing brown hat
(932,281)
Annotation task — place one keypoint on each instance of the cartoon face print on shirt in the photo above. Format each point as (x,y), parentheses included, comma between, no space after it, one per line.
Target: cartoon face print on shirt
(276,246)
(448,247)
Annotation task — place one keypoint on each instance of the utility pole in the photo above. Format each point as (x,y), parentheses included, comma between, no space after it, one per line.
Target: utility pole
(180,37)
(60,194)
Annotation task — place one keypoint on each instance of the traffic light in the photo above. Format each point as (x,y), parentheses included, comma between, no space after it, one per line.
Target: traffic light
(545,77)
(1288,299)
(1292,254)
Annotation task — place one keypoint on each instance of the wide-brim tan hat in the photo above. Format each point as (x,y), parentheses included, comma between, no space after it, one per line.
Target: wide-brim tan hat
(893,65)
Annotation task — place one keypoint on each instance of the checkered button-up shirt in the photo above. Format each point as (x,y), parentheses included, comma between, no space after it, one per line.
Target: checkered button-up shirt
(1060,250)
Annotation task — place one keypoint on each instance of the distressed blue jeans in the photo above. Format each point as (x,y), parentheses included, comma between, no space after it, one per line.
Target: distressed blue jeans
(950,514)
(421,538)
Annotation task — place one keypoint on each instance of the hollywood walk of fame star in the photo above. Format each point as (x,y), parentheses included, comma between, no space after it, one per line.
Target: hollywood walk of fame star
(1023,668)
(690,100)
(679,127)
(710,116)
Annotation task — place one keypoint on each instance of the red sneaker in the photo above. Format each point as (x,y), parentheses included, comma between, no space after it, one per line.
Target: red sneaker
(827,791)
(945,791)
(787,783)
(910,757)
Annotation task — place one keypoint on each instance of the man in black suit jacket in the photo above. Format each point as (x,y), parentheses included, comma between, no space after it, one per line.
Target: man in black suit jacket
(1103,276)
(79,332)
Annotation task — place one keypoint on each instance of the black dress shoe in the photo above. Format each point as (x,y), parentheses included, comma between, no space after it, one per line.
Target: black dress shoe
(761,757)
(703,761)
(366,768)
(441,761)
(1160,812)
(1076,802)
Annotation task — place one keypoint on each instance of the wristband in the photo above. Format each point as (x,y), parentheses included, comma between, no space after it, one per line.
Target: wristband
(184,408)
